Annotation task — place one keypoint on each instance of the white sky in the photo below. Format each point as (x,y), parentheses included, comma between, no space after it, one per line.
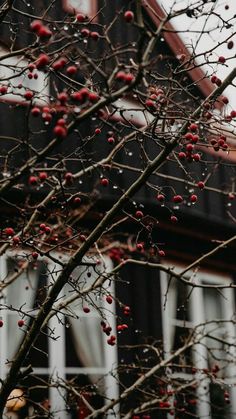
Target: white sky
(190,28)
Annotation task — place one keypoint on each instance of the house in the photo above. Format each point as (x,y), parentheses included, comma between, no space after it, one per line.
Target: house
(157,308)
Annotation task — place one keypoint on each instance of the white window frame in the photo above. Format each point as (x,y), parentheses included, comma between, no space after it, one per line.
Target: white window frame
(56,348)
(198,317)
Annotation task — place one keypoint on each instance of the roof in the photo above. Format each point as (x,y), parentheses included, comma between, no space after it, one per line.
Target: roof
(177,46)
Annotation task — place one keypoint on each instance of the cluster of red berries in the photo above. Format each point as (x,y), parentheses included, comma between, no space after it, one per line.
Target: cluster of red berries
(216,80)
(31,67)
(45,229)
(219,143)
(83,95)
(156,98)
(122,327)
(116,254)
(126,310)
(41,30)
(60,129)
(125,77)
(86,33)
(34,180)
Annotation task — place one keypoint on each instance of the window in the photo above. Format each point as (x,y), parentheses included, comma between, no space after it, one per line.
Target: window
(71,349)
(14,76)
(87,7)
(184,308)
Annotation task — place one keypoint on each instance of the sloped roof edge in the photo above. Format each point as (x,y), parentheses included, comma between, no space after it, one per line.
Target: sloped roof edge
(177,46)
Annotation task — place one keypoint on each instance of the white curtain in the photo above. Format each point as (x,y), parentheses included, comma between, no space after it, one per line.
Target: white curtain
(171,307)
(86,328)
(17,296)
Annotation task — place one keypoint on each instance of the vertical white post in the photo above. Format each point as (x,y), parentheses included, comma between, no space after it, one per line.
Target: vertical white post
(57,357)
(200,355)
(228,311)
(111,358)
(4,329)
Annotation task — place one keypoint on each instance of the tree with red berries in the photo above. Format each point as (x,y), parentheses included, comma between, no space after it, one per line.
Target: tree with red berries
(117,161)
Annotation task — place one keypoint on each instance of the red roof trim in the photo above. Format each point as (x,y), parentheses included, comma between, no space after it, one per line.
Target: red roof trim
(177,46)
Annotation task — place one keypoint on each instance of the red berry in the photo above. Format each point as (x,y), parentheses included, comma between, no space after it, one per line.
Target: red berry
(93,97)
(42,61)
(213,79)
(182,155)
(109,299)
(196,157)
(59,64)
(94,35)
(80,18)
(33,180)
(62,97)
(43,176)
(129,16)
(195,139)
(139,214)
(189,147)
(35,255)
(160,197)
(1,323)
(28,95)
(47,117)
(121,75)
(193,127)
(60,131)
(231,196)
(69,177)
(31,67)
(178,199)
(230,44)
(44,33)
(218,82)
(3,89)
(221,59)
(36,25)
(16,240)
(47,230)
(71,70)
(139,246)
(193,198)
(111,140)
(85,33)
(149,103)
(42,226)
(225,100)
(173,219)
(233,113)
(9,231)
(77,200)
(35,111)
(161,253)
(21,323)
(201,184)
(104,182)
(97,131)
(86,309)
(188,136)
(129,78)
